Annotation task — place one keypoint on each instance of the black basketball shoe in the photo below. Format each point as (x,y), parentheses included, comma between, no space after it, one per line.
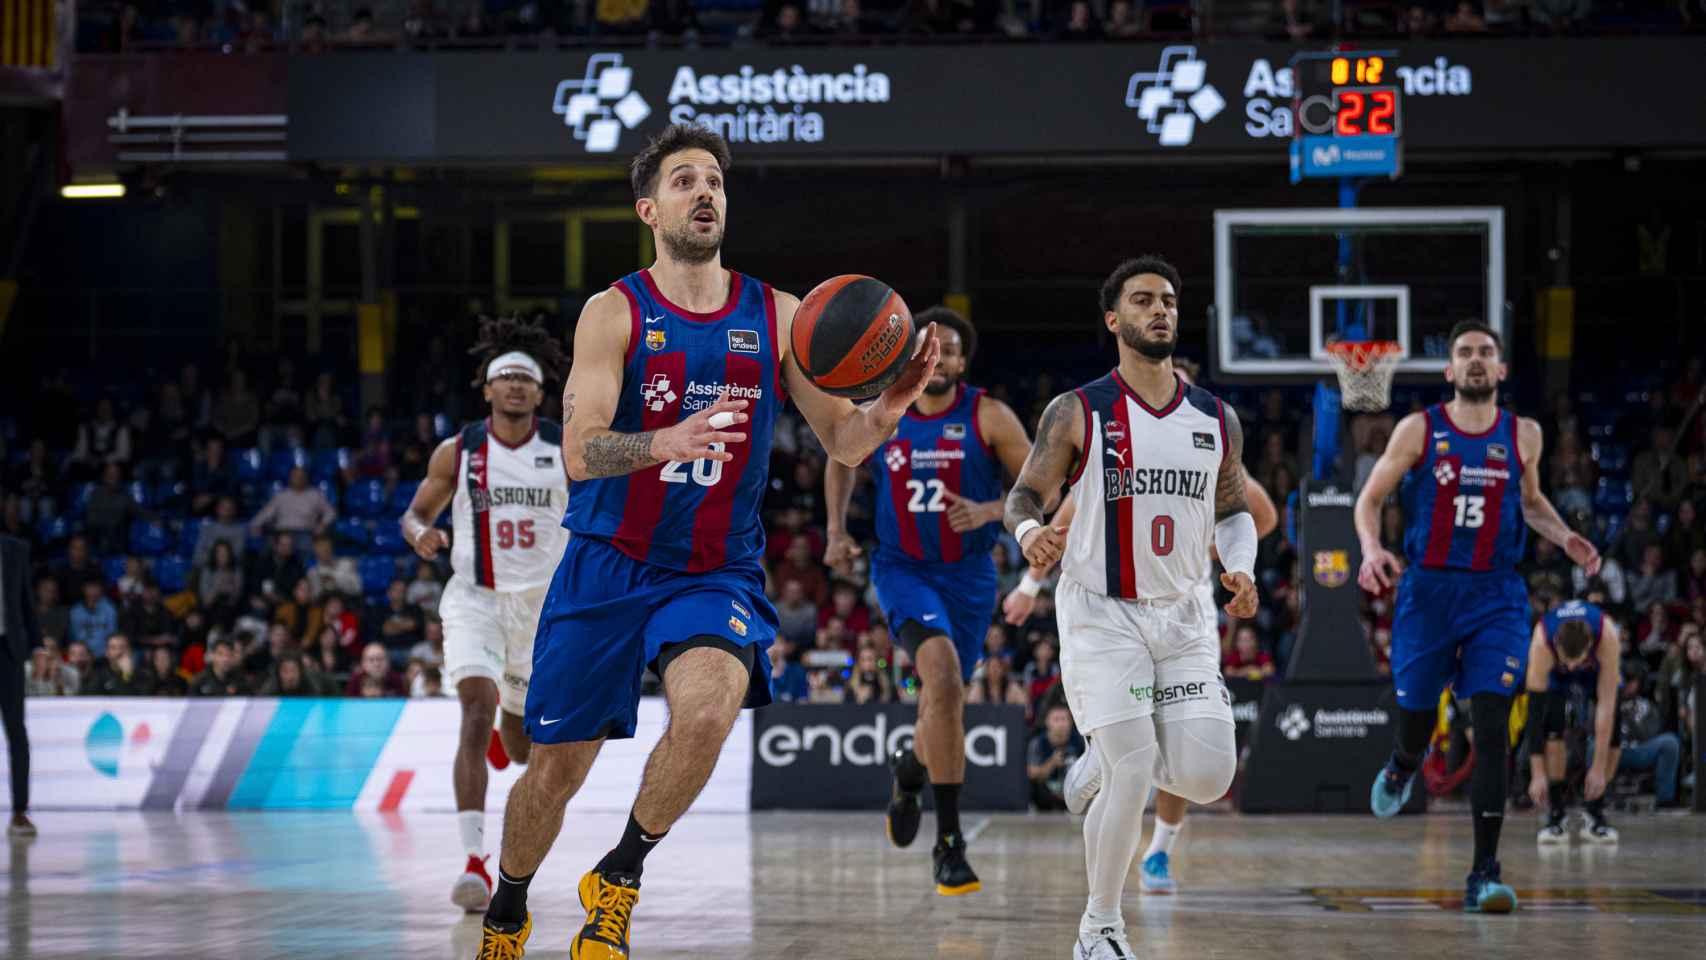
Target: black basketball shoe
(904,809)
(954,875)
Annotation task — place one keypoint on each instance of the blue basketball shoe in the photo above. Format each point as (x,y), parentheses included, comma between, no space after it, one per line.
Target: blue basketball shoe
(1483,893)
(1391,790)
(1155,876)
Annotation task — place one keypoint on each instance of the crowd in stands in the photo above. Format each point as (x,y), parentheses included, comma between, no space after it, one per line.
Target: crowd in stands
(237,534)
(313,26)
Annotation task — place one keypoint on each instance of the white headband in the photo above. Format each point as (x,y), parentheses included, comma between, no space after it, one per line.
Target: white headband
(514,362)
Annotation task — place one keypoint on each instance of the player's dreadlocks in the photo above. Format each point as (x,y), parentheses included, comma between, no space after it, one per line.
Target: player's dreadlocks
(499,335)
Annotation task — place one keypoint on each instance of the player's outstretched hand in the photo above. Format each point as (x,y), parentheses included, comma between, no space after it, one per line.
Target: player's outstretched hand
(915,377)
(1043,545)
(967,515)
(839,552)
(1582,553)
(1380,570)
(1243,605)
(691,439)
(1017,607)
(430,542)
(1594,787)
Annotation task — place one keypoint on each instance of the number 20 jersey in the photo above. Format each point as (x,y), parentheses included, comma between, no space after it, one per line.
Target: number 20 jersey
(704,514)
(927,458)
(1463,499)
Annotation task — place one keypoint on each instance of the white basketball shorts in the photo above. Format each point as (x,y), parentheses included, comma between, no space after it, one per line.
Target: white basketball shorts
(490,634)
(1122,659)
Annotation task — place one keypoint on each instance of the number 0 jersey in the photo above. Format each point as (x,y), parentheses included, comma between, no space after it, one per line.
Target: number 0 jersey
(701,515)
(1463,499)
(506,514)
(1145,491)
(927,458)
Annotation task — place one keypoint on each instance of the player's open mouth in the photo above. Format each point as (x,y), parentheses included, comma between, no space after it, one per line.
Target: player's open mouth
(705,216)
(1160,326)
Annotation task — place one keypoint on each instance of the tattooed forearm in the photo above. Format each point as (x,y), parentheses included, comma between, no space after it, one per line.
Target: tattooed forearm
(568,406)
(1023,504)
(1050,463)
(1229,485)
(615,454)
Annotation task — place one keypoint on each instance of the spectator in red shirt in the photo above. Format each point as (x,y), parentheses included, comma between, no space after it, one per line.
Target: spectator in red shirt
(845,605)
(1247,659)
(375,670)
(800,564)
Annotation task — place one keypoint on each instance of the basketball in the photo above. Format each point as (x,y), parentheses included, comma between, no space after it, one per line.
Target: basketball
(852,336)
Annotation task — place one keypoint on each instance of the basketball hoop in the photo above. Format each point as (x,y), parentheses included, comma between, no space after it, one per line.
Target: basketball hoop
(1365,369)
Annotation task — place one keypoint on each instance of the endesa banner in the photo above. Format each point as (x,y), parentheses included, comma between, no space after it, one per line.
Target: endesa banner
(1183,99)
(264,754)
(835,756)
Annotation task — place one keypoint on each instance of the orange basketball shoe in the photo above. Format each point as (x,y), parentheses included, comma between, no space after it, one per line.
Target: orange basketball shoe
(608,899)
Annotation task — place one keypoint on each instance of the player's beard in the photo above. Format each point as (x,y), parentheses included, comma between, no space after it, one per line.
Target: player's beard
(1132,336)
(684,245)
(943,389)
(1476,393)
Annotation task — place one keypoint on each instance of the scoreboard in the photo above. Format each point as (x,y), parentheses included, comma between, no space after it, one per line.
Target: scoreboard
(1349,115)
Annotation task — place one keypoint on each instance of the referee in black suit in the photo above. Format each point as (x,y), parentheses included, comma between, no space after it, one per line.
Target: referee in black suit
(19,634)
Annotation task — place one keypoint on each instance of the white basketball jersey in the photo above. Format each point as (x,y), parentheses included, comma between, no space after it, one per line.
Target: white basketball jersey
(1145,491)
(507,514)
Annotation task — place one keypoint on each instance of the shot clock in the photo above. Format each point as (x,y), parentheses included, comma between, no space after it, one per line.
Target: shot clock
(1349,115)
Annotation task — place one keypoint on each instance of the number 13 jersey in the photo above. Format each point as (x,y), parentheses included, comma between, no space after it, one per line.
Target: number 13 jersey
(1463,498)
(506,514)
(1145,491)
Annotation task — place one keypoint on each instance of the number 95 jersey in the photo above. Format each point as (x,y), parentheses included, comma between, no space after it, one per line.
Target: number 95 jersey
(506,514)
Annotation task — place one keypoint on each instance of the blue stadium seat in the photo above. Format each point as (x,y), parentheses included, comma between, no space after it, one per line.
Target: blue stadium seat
(54,529)
(112,568)
(149,538)
(169,493)
(281,462)
(172,573)
(387,539)
(249,465)
(255,544)
(366,498)
(1613,527)
(188,534)
(79,500)
(403,495)
(330,489)
(1614,497)
(442,426)
(352,533)
(1612,458)
(377,572)
(141,493)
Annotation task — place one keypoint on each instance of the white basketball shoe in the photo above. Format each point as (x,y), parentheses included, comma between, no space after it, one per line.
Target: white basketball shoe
(1102,943)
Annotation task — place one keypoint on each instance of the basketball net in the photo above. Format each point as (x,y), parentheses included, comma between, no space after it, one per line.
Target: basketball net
(1365,369)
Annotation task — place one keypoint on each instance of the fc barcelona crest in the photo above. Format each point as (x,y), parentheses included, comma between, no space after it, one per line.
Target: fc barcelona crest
(1332,568)
(654,340)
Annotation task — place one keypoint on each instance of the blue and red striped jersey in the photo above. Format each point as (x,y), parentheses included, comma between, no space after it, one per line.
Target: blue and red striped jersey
(928,457)
(704,514)
(1463,499)
(1587,672)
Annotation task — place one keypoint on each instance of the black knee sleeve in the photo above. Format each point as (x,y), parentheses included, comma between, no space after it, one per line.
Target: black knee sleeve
(1490,714)
(1415,729)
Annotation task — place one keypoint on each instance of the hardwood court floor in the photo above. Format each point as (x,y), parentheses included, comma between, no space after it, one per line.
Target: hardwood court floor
(828,886)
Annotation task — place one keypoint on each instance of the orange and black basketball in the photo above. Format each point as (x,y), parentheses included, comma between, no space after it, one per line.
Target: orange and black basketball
(852,336)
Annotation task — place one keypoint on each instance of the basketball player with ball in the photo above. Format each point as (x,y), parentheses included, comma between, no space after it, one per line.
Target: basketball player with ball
(939,503)
(1156,472)
(679,373)
(1084,777)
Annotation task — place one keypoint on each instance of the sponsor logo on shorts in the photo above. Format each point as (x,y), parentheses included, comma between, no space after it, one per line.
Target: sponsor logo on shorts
(953,431)
(1508,679)
(1332,568)
(1513,663)
(737,626)
(1142,694)
(1175,693)
(743,341)
(1202,441)
(739,609)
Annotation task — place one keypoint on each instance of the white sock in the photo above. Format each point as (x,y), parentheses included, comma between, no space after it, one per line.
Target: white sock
(1162,840)
(1113,828)
(471,824)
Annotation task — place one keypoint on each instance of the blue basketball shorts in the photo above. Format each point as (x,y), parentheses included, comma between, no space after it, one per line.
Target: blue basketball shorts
(606,618)
(956,600)
(1469,630)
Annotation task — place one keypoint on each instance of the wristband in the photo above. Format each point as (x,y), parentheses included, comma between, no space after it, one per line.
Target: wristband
(1030,586)
(1024,527)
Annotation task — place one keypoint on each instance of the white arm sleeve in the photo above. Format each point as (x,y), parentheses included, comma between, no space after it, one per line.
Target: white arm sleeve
(1235,540)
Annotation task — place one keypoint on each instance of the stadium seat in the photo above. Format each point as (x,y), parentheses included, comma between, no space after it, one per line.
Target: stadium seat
(79,500)
(141,493)
(281,462)
(377,572)
(169,493)
(442,426)
(188,534)
(352,533)
(403,496)
(112,568)
(1612,458)
(256,544)
(325,464)
(149,538)
(330,489)
(53,530)
(249,465)
(1614,497)
(387,539)
(366,498)
(172,573)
